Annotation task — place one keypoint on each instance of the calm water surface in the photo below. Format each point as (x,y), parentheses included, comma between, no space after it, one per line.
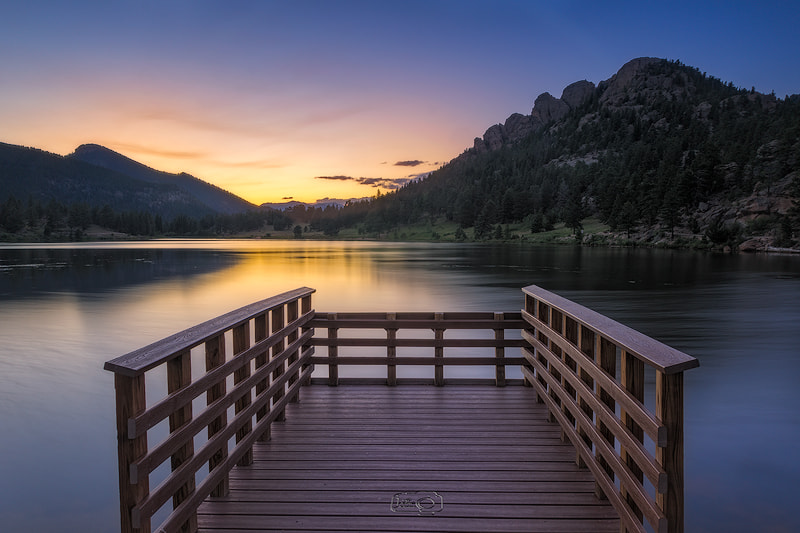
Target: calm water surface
(65,310)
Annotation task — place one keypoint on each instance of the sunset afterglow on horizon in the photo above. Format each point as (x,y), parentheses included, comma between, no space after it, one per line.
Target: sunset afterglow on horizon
(308,100)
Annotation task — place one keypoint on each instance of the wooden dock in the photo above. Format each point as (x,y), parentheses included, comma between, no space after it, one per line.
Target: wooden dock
(412,458)
(249,429)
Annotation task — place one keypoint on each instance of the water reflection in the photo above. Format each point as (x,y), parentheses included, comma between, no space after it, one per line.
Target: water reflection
(64,310)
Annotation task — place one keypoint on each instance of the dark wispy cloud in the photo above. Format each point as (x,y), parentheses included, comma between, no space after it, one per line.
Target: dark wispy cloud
(412,163)
(336,178)
(288,198)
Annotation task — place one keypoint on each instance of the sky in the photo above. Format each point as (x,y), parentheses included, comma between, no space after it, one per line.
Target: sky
(306,100)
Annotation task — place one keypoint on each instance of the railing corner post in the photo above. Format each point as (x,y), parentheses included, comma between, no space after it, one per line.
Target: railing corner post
(669,409)
(130,397)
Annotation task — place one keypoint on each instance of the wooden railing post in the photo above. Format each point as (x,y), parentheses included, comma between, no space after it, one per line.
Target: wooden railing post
(607,353)
(530,307)
(130,396)
(291,316)
(499,352)
(586,344)
(391,352)
(333,354)
(260,333)
(305,308)
(669,409)
(543,314)
(277,324)
(632,376)
(179,376)
(215,356)
(438,353)
(241,342)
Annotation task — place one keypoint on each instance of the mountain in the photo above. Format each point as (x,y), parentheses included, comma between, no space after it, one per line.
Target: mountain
(660,153)
(322,204)
(43,176)
(215,198)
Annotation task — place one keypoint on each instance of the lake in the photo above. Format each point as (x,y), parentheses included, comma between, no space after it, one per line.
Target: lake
(66,309)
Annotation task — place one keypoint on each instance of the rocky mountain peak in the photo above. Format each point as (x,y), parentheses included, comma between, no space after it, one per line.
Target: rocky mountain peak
(641,78)
(628,72)
(638,80)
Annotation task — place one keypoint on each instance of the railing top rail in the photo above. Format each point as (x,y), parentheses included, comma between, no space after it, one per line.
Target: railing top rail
(143,359)
(418,315)
(652,352)
(444,320)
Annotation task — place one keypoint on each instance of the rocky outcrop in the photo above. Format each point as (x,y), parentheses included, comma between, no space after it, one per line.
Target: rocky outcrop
(517,127)
(492,140)
(576,94)
(615,89)
(494,137)
(547,108)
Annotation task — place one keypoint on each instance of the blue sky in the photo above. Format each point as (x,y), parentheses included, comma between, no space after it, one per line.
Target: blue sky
(264,98)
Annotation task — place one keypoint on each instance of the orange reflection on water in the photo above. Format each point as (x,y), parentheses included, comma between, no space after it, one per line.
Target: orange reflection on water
(347,277)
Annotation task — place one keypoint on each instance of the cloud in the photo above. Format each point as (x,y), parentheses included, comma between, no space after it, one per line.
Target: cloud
(412,163)
(336,178)
(147,150)
(383,183)
(371,181)
(288,198)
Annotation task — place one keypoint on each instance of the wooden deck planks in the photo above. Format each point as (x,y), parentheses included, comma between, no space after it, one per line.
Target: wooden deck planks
(344,452)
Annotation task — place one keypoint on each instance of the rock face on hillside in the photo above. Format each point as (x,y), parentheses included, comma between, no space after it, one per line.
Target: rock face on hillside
(546,109)
(631,84)
(615,89)
(576,94)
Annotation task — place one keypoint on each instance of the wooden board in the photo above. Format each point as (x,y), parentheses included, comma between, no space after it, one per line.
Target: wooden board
(347,457)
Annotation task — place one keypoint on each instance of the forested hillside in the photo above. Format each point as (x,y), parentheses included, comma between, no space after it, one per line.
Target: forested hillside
(220,200)
(28,173)
(661,153)
(44,196)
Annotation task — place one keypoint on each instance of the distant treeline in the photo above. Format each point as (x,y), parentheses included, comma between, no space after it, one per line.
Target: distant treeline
(58,221)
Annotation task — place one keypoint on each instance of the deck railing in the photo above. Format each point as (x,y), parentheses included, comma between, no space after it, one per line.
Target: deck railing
(590,371)
(269,342)
(348,329)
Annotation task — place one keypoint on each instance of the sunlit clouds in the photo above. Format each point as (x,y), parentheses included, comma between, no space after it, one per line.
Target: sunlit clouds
(379,183)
